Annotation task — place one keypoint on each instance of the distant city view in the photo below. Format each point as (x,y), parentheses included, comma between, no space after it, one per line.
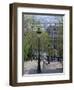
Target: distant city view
(43,44)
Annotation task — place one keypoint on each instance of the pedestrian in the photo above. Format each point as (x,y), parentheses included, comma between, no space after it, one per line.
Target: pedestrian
(48,59)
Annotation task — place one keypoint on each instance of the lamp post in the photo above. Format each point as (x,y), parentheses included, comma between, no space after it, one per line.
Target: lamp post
(48,55)
(39,67)
(54,42)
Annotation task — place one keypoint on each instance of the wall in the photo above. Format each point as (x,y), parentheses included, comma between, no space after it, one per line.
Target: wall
(4,46)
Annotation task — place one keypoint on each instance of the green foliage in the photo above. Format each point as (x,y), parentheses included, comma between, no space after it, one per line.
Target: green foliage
(60,41)
(52,52)
(31,43)
(45,41)
(31,25)
(27,44)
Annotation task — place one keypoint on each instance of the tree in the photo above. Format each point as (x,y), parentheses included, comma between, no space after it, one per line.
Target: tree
(31,24)
(27,45)
(60,38)
(31,42)
(57,37)
(45,41)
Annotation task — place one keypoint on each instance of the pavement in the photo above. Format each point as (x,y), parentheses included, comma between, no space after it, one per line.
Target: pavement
(30,67)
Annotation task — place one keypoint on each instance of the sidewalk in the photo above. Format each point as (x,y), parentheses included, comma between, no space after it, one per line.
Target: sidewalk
(30,67)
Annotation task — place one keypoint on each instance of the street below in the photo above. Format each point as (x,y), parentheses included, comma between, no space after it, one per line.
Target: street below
(30,67)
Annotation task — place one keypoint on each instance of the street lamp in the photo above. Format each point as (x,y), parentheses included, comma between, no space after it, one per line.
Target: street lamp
(39,67)
(48,54)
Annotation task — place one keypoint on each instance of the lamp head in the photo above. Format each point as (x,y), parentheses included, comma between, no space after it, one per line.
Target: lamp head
(38,31)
